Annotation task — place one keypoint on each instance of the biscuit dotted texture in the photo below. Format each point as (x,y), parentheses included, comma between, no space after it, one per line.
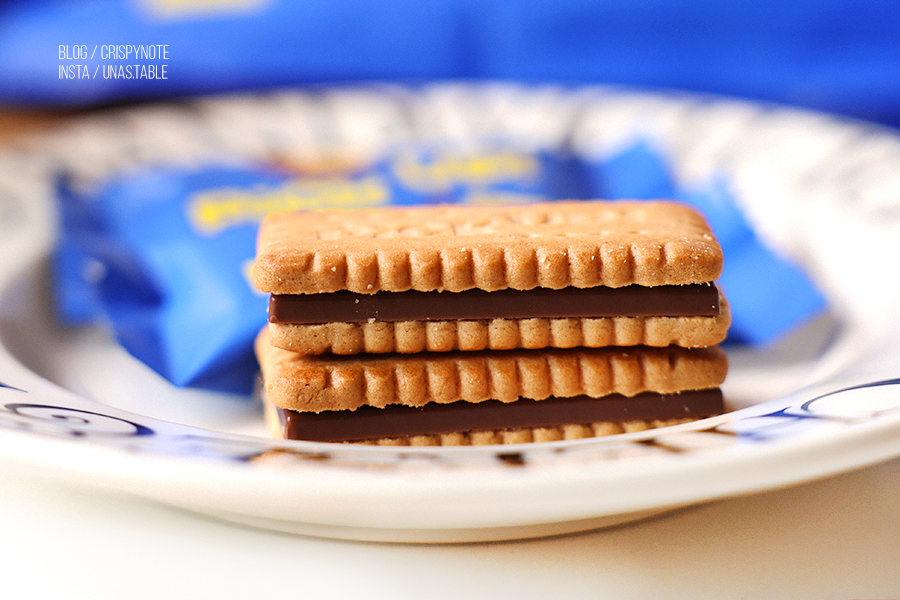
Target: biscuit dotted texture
(315,384)
(455,248)
(501,334)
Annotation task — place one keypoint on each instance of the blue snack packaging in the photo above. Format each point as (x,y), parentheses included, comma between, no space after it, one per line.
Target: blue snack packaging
(768,294)
(162,256)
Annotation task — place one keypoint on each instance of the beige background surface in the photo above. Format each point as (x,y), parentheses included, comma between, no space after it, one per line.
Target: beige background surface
(837,538)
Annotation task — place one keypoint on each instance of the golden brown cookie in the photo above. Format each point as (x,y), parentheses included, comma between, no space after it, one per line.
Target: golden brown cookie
(455,248)
(318,383)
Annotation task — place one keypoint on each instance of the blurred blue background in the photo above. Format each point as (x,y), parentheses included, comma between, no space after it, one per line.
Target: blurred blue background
(840,56)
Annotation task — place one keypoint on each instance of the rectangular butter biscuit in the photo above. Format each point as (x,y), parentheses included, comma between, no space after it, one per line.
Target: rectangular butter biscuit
(317,383)
(455,248)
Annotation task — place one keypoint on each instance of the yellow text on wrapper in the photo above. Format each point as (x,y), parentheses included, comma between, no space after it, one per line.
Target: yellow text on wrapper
(444,172)
(212,211)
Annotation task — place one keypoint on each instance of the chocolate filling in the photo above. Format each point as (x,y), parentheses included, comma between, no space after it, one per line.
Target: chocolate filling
(700,300)
(367,422)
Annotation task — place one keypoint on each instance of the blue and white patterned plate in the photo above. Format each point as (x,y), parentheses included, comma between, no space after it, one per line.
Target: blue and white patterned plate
(73,405)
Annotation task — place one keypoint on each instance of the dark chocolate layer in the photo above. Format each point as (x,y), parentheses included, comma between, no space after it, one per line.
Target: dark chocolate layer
(394,421)
(700,300)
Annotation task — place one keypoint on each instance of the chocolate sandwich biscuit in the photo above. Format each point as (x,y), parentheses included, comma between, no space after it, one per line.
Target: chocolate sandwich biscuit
(445,278)
(441,397)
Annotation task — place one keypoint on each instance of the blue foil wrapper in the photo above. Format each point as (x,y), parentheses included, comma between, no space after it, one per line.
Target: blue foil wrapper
(163,256)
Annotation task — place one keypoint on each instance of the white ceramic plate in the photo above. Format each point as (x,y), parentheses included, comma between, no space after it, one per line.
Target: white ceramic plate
(825,400)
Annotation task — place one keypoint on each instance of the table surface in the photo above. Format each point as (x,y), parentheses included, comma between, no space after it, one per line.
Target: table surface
(834,538)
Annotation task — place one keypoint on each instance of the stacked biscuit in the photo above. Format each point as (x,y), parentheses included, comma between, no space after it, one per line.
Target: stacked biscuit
(458,325)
